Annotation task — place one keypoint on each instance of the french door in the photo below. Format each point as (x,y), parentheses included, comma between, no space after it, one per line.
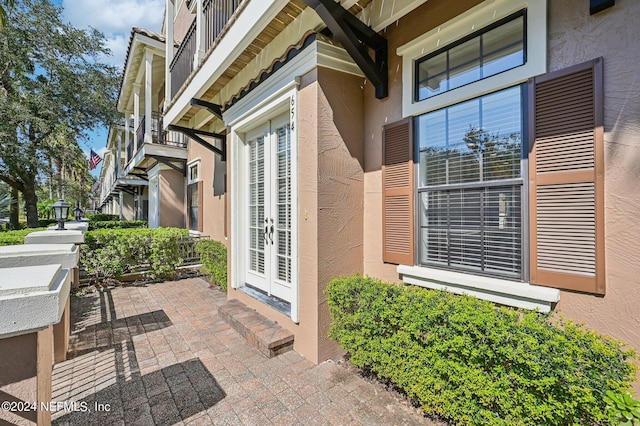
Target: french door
(269,208)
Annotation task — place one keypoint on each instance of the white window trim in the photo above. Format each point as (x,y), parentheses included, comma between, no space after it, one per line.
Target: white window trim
(510,293)
(467,23)
(193,163)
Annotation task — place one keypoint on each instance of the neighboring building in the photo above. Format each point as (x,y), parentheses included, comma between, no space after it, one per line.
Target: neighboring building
(118,191)
(487,147)
(149,182)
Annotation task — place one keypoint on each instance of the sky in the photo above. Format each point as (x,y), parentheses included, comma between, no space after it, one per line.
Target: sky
(114,18)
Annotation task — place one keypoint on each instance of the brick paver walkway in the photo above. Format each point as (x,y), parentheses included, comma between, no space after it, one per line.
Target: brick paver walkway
(160,355)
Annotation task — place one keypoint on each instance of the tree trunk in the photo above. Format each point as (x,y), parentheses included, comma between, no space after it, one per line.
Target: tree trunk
(31,204)
(14,209)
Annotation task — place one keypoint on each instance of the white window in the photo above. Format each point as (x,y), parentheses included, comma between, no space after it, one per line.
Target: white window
(470,185)
(194,171)
(493,46)
(464,82)
(193,196)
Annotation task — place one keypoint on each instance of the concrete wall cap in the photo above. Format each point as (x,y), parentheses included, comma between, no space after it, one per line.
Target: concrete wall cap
(32,298)
(66,255)
(55,237)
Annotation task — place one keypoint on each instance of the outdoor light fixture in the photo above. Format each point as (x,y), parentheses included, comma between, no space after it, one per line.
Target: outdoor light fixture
(78,213)
(60,211)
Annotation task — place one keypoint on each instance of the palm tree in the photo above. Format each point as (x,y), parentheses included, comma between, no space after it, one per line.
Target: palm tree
(3,13)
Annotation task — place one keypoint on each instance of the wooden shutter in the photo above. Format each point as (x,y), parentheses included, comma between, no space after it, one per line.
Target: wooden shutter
(397,193)
(566,179)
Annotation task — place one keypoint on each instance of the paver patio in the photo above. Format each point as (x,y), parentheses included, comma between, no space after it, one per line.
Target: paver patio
(160,355)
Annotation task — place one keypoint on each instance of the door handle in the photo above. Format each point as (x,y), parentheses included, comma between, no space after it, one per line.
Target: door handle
(271,233)
(265,235)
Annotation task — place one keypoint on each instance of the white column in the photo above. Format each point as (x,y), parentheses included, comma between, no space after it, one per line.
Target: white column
(119,155)
(148,62)
(121,202)
(127,130)
(169,17)
(136,107)
(199,35)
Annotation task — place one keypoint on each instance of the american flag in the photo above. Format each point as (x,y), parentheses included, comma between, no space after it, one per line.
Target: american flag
(94,160)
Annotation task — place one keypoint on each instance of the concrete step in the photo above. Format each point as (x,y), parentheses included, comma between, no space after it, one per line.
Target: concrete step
(267,336)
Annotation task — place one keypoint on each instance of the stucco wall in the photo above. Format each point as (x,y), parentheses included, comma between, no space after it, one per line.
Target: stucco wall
(172,196)
(306,333)
(574,37)
(182,22)
(214,213)
(18,365)
(128,212)
(340,188)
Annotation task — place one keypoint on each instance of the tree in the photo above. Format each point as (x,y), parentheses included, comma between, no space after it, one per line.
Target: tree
(3,12)
(51,81)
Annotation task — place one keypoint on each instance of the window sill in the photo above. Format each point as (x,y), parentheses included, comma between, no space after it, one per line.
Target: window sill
(510,293)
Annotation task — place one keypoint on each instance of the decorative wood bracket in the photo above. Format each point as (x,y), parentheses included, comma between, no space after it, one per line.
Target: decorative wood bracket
(356,37)
(214,109)
(169,162)
(195,135)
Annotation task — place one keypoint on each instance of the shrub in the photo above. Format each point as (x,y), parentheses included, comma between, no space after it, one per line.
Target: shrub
(110,253)
(474,363)
(101,217)
(43,223)
(12,238)
(213,255)
(117,224)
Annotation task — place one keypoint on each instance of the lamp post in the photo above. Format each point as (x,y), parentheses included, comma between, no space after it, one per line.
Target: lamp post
(61,211)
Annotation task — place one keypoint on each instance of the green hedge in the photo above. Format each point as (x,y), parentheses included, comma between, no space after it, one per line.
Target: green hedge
(110,253)
(42,223)
(101,217)
(117,224)
(12,238)
(213,255)
(473,363)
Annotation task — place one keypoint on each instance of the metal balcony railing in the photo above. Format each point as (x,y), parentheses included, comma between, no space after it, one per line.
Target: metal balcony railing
(158,136)
(216,15)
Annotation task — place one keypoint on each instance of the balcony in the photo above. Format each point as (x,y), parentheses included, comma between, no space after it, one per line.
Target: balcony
(158,136)
(215,16)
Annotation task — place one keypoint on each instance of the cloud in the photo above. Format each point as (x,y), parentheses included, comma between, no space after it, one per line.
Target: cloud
(115,18)
(117,44)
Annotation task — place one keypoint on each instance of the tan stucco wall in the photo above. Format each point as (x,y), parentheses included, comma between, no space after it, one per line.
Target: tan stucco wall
(171,198)
(182,22)
(128,212)
(574,37)
(18,365)
(214,214)
(340,188)
(378,112)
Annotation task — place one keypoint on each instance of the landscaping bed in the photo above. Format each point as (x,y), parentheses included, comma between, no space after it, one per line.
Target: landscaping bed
(470,362)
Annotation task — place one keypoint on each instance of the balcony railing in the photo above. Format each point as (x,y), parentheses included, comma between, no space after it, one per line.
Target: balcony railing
(158,136)
(182,64)
(141,130)
(215,16)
